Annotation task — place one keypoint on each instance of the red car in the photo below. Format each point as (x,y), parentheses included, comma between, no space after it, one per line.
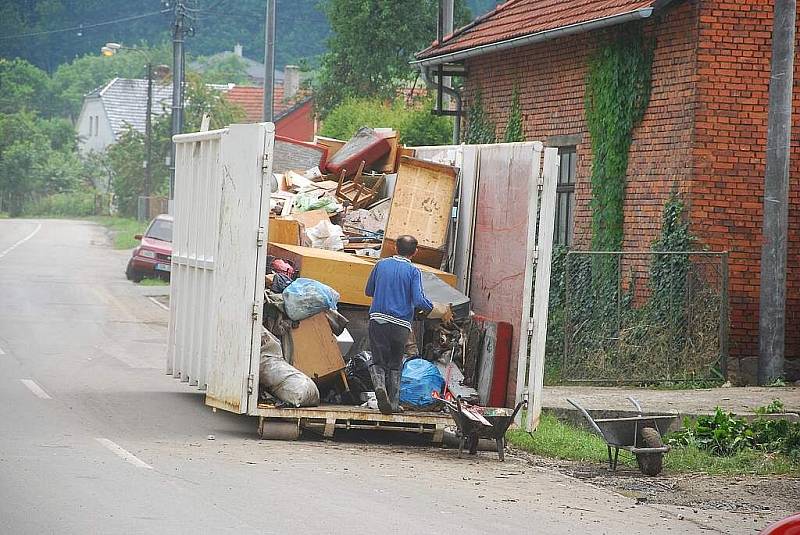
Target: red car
(153,257)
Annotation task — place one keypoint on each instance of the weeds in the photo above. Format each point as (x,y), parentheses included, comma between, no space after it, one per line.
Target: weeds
(123,230)
(558,440)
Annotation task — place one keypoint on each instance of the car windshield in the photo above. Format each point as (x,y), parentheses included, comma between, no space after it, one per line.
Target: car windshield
(160,229)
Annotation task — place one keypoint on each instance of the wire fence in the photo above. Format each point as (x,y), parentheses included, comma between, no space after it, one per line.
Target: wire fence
(638,317)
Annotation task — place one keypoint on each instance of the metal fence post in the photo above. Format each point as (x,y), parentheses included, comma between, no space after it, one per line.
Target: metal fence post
(723,319)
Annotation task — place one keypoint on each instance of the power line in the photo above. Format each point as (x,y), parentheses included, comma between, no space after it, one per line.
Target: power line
(80,27)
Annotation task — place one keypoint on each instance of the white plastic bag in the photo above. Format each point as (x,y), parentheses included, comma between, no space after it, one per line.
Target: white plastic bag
(326,235)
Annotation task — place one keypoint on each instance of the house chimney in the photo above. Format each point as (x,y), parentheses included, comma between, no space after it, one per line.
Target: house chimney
(237,49)
(291,81)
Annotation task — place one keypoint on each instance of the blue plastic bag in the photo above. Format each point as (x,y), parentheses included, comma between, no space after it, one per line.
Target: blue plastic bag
(419,380)
(304,298)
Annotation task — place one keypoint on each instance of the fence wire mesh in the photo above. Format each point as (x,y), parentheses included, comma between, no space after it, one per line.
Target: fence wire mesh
(638,317)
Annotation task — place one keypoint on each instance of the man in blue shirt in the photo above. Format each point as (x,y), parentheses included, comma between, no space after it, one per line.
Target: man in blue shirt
(395,286)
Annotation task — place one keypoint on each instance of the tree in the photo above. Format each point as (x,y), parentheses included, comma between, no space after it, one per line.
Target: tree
(416,125)
(125,157)
(223,70)
(22,86)
(371,46)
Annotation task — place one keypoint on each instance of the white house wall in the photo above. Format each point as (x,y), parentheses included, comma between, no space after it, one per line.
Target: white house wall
(97,136)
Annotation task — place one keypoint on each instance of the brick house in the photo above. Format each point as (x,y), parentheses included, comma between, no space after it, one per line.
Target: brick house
(703,133)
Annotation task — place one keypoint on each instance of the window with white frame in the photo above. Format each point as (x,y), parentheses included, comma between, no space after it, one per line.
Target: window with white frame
(565,196)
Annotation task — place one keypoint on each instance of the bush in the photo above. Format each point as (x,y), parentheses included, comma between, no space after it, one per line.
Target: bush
(416,125)
(76,204)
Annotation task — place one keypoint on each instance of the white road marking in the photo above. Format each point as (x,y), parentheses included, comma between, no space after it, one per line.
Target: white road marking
(159,303)
(2,352)
(37,390)
(124,454)
(23,240)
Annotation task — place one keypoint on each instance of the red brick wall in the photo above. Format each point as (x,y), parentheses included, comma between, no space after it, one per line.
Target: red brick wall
(551,80)
(734,54)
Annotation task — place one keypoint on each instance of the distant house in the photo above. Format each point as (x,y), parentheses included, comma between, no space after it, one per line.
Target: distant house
(254,69)
(703,132)
(109,110)
(293,108)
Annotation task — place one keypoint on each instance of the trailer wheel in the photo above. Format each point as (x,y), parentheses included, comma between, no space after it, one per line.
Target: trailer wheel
(651,464)
(269,429)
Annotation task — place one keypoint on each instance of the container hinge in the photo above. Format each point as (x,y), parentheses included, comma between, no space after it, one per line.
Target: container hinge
(535,254)
(256,311)
(265,162)
(540,181)
(531,324)
(251,379)
(260,237)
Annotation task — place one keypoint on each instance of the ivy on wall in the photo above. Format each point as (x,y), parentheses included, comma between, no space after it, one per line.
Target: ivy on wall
(480,129)
(617,95)
(514,131)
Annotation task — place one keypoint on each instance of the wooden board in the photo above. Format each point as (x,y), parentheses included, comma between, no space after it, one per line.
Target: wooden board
(310,219)
(333,145)
(388,164)
(286,231)
(422,202)
(346,273)
(314,348)
(425,255)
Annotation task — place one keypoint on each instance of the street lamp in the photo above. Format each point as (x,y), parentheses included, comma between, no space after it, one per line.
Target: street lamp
(109,50)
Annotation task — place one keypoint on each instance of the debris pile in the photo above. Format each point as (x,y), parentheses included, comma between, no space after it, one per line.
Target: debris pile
(336,208)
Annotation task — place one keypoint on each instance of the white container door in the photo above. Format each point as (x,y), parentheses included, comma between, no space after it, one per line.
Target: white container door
(227,322)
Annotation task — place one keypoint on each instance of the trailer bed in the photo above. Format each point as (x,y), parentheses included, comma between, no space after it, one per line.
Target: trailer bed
(328,418)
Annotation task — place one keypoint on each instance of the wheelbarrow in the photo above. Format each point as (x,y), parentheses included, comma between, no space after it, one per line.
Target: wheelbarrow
(474,423)
(640,435)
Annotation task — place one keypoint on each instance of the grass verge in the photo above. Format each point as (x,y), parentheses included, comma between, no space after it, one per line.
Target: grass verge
(558,440)
(153,282)
(123,230)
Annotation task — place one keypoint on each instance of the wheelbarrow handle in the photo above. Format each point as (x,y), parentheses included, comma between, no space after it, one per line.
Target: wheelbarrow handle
(636,404)
(587,415)
(517,409)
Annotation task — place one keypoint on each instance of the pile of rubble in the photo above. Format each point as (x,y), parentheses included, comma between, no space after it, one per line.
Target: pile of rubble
(336,209)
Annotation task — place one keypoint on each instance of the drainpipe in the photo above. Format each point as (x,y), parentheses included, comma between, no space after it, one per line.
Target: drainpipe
(455,95)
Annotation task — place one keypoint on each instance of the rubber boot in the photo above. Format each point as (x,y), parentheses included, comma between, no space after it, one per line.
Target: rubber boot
(393,390)
(379,384)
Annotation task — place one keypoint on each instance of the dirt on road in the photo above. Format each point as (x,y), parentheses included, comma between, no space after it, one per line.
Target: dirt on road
(756,498)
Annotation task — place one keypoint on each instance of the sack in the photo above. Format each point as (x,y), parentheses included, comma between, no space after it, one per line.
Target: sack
(282,380)
(418,381)
(287,383)
(304,298)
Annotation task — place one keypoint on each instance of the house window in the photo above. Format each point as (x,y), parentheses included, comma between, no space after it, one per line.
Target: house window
(91,123)
(565,196)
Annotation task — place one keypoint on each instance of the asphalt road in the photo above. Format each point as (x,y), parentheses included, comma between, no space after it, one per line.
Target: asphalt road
(97,439)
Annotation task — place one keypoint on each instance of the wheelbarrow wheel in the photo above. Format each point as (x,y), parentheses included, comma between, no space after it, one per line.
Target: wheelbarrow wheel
(651,464)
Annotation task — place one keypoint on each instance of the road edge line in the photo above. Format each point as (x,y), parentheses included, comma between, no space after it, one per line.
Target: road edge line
(122,453)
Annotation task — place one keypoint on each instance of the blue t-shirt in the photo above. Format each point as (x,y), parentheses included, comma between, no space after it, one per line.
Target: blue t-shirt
(395,286)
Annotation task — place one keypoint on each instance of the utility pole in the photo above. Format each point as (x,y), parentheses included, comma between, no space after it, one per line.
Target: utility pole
(772,301)
(179,31)
(148,135)
(269,62)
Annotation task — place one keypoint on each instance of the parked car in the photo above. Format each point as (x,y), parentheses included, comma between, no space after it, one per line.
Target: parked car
(153,258)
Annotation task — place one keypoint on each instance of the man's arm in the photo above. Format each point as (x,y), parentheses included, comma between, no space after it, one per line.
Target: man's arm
(370,289)
(417,294)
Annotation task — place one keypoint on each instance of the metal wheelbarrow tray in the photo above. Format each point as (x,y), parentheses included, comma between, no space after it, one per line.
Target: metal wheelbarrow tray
(475,423)
(640,435)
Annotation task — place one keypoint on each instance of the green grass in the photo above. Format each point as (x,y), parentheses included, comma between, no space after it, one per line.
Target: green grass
(154,282)
(123,230)
(558,440)
(3,215)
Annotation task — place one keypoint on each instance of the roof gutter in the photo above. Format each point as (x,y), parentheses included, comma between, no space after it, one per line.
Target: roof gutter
(546,35)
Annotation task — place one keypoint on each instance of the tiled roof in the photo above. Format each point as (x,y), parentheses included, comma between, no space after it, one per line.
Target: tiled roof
(125,102)
(252,100)
(519,18)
